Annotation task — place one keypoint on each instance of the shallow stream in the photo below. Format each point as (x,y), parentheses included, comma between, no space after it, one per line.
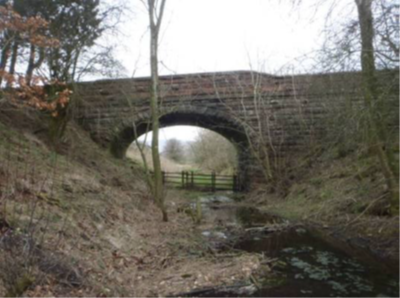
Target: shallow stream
(305,264)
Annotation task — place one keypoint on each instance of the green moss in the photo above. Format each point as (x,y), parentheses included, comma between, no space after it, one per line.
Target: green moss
(21,285)
(273,281)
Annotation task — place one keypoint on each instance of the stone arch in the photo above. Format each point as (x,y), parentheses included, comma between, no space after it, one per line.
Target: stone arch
(218,121)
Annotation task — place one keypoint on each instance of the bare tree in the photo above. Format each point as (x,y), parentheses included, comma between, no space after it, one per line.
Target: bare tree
(265,128)
(156,12)
(174,150)
(212,152)
(342,44)
(373,35)
(371,97)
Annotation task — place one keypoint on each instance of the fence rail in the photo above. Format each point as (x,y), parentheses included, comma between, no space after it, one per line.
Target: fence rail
(209,182)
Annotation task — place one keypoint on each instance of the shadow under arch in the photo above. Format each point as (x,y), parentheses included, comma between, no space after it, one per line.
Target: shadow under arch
(234,132)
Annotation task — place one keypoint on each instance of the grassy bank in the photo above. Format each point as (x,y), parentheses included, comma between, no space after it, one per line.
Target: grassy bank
(76,222)
(345,195)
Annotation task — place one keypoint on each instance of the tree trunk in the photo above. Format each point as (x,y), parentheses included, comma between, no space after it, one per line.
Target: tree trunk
(14,57)
(32,64)
(5,54)
(75,65)
(154,33)
(54,64)
(370,87)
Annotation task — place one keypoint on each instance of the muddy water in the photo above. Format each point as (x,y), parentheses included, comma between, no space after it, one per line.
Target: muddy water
(305,264)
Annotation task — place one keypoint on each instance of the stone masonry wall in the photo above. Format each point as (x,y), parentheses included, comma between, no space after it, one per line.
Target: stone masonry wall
(242,106)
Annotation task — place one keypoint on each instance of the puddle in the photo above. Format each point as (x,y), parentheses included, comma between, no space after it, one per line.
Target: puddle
(215,199)
(214,234)
(306,264)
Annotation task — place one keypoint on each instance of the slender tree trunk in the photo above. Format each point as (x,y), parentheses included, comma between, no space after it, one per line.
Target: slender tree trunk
(5,54)
(32,64)
(65,72)
(13,62)
(75,65)
(371,96)
(54,65)
(14,57)
(154,33)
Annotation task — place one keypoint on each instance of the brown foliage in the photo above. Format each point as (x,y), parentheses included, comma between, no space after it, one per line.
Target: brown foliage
(30,29)
(32,92)
(36,95)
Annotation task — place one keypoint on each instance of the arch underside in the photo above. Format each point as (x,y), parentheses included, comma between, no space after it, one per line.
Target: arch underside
(228,128)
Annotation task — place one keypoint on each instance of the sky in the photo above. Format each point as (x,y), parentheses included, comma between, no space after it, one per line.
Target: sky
(183,133)
(226,35)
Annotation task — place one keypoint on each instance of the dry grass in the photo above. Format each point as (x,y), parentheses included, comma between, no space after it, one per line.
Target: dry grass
(334,188)
(95,214)
(346,194)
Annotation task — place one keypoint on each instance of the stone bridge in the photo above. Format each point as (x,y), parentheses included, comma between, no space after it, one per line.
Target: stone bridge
(250,109)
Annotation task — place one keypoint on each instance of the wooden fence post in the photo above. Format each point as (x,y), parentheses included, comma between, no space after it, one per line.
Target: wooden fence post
(213,182)
(188,181)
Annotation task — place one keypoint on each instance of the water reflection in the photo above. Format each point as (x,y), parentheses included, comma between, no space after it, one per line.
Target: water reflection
(307,265)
